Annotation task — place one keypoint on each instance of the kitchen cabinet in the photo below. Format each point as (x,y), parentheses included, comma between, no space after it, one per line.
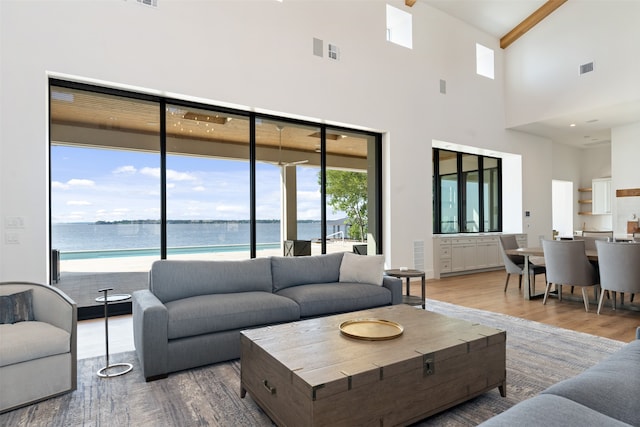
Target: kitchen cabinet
(458,254)
(601,200)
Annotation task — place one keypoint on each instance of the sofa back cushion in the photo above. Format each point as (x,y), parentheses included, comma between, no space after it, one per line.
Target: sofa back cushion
(170,280)
(305,270)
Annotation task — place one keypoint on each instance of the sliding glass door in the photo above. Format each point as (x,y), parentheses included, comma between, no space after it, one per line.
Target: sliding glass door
(138,178)
(105,192)
(207,184)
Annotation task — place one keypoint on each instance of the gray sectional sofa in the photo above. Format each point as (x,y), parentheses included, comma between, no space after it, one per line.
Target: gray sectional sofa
(193,311)
(607,394)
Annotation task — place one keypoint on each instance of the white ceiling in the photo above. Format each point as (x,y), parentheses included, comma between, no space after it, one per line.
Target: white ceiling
(498,17)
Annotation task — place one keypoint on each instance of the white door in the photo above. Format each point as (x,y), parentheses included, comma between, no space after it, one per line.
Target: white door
(562,199)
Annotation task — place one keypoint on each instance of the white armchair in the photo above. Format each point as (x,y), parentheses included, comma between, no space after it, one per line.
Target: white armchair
(38,355)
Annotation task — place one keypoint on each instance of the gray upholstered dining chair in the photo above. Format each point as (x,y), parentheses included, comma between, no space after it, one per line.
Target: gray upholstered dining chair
(567,264)
(590,241)
(514,264)
(601,234)
(619,269)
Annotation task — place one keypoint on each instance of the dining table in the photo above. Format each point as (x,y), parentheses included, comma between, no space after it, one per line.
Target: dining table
(526,253)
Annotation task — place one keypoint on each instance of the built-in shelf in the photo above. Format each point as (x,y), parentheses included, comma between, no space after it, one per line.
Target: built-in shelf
(585,202)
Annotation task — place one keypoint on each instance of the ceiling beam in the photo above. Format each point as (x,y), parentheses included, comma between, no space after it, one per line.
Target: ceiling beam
(410,2)
(529,22)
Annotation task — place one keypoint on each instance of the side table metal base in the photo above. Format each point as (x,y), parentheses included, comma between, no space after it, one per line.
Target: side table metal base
(120,368)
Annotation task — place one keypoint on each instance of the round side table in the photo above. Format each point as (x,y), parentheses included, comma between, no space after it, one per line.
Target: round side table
(120,368)
(408,274)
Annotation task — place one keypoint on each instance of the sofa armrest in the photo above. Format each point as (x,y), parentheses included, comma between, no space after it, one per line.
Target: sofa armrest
(395,286)
(150,336)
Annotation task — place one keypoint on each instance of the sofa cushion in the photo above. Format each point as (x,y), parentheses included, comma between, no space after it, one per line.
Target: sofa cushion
(31,340)
(611,387)
(222,312)
(550,411)
(294,271)
(362,269)
(172,280)
(328,298)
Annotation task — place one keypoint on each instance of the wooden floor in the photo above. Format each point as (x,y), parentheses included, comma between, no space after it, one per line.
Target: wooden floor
(485,291)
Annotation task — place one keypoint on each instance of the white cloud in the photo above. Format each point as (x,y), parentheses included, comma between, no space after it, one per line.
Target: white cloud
(128,169)
(152,172)
(172,175)
(231,208)
(57,185)
(78,203)
(199,188)
(75,182)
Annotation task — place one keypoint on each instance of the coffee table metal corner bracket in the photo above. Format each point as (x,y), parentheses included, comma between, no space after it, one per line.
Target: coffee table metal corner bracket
(408,274)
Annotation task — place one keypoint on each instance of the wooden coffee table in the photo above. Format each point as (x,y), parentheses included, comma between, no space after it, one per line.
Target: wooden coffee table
(307,373)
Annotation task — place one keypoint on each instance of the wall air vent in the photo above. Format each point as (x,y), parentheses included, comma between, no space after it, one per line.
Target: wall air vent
(443,86)
(334,52)
(586,68)
(152,3)
(418,254)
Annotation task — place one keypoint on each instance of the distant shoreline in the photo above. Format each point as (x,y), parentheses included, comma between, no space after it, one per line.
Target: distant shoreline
(191,221)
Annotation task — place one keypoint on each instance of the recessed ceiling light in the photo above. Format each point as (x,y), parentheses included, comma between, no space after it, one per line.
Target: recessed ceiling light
(572,125)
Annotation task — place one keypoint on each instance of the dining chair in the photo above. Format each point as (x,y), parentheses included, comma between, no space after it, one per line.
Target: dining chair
(567,264)
(590,241)
(603,234)
(514,264)
(619,269)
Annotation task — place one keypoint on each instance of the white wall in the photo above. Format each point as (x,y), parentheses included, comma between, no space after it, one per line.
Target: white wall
(625,141)
(259,55)
(542,67)
(542,81)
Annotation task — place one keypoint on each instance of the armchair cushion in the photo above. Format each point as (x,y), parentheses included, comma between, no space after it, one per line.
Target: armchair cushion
(30,341)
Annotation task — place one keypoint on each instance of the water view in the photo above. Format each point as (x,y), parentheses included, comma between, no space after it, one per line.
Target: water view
(142,238)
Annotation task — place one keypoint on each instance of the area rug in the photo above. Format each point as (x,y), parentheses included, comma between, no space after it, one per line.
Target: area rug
(538,355)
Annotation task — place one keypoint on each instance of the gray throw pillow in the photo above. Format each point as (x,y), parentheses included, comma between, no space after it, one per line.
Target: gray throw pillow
(6,309)
(23,306)
(16,307)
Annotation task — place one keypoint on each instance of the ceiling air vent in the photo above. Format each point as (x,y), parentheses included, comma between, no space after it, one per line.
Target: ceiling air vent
(586,68)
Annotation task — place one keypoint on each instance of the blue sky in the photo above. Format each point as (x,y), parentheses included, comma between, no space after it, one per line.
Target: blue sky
(94,184)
